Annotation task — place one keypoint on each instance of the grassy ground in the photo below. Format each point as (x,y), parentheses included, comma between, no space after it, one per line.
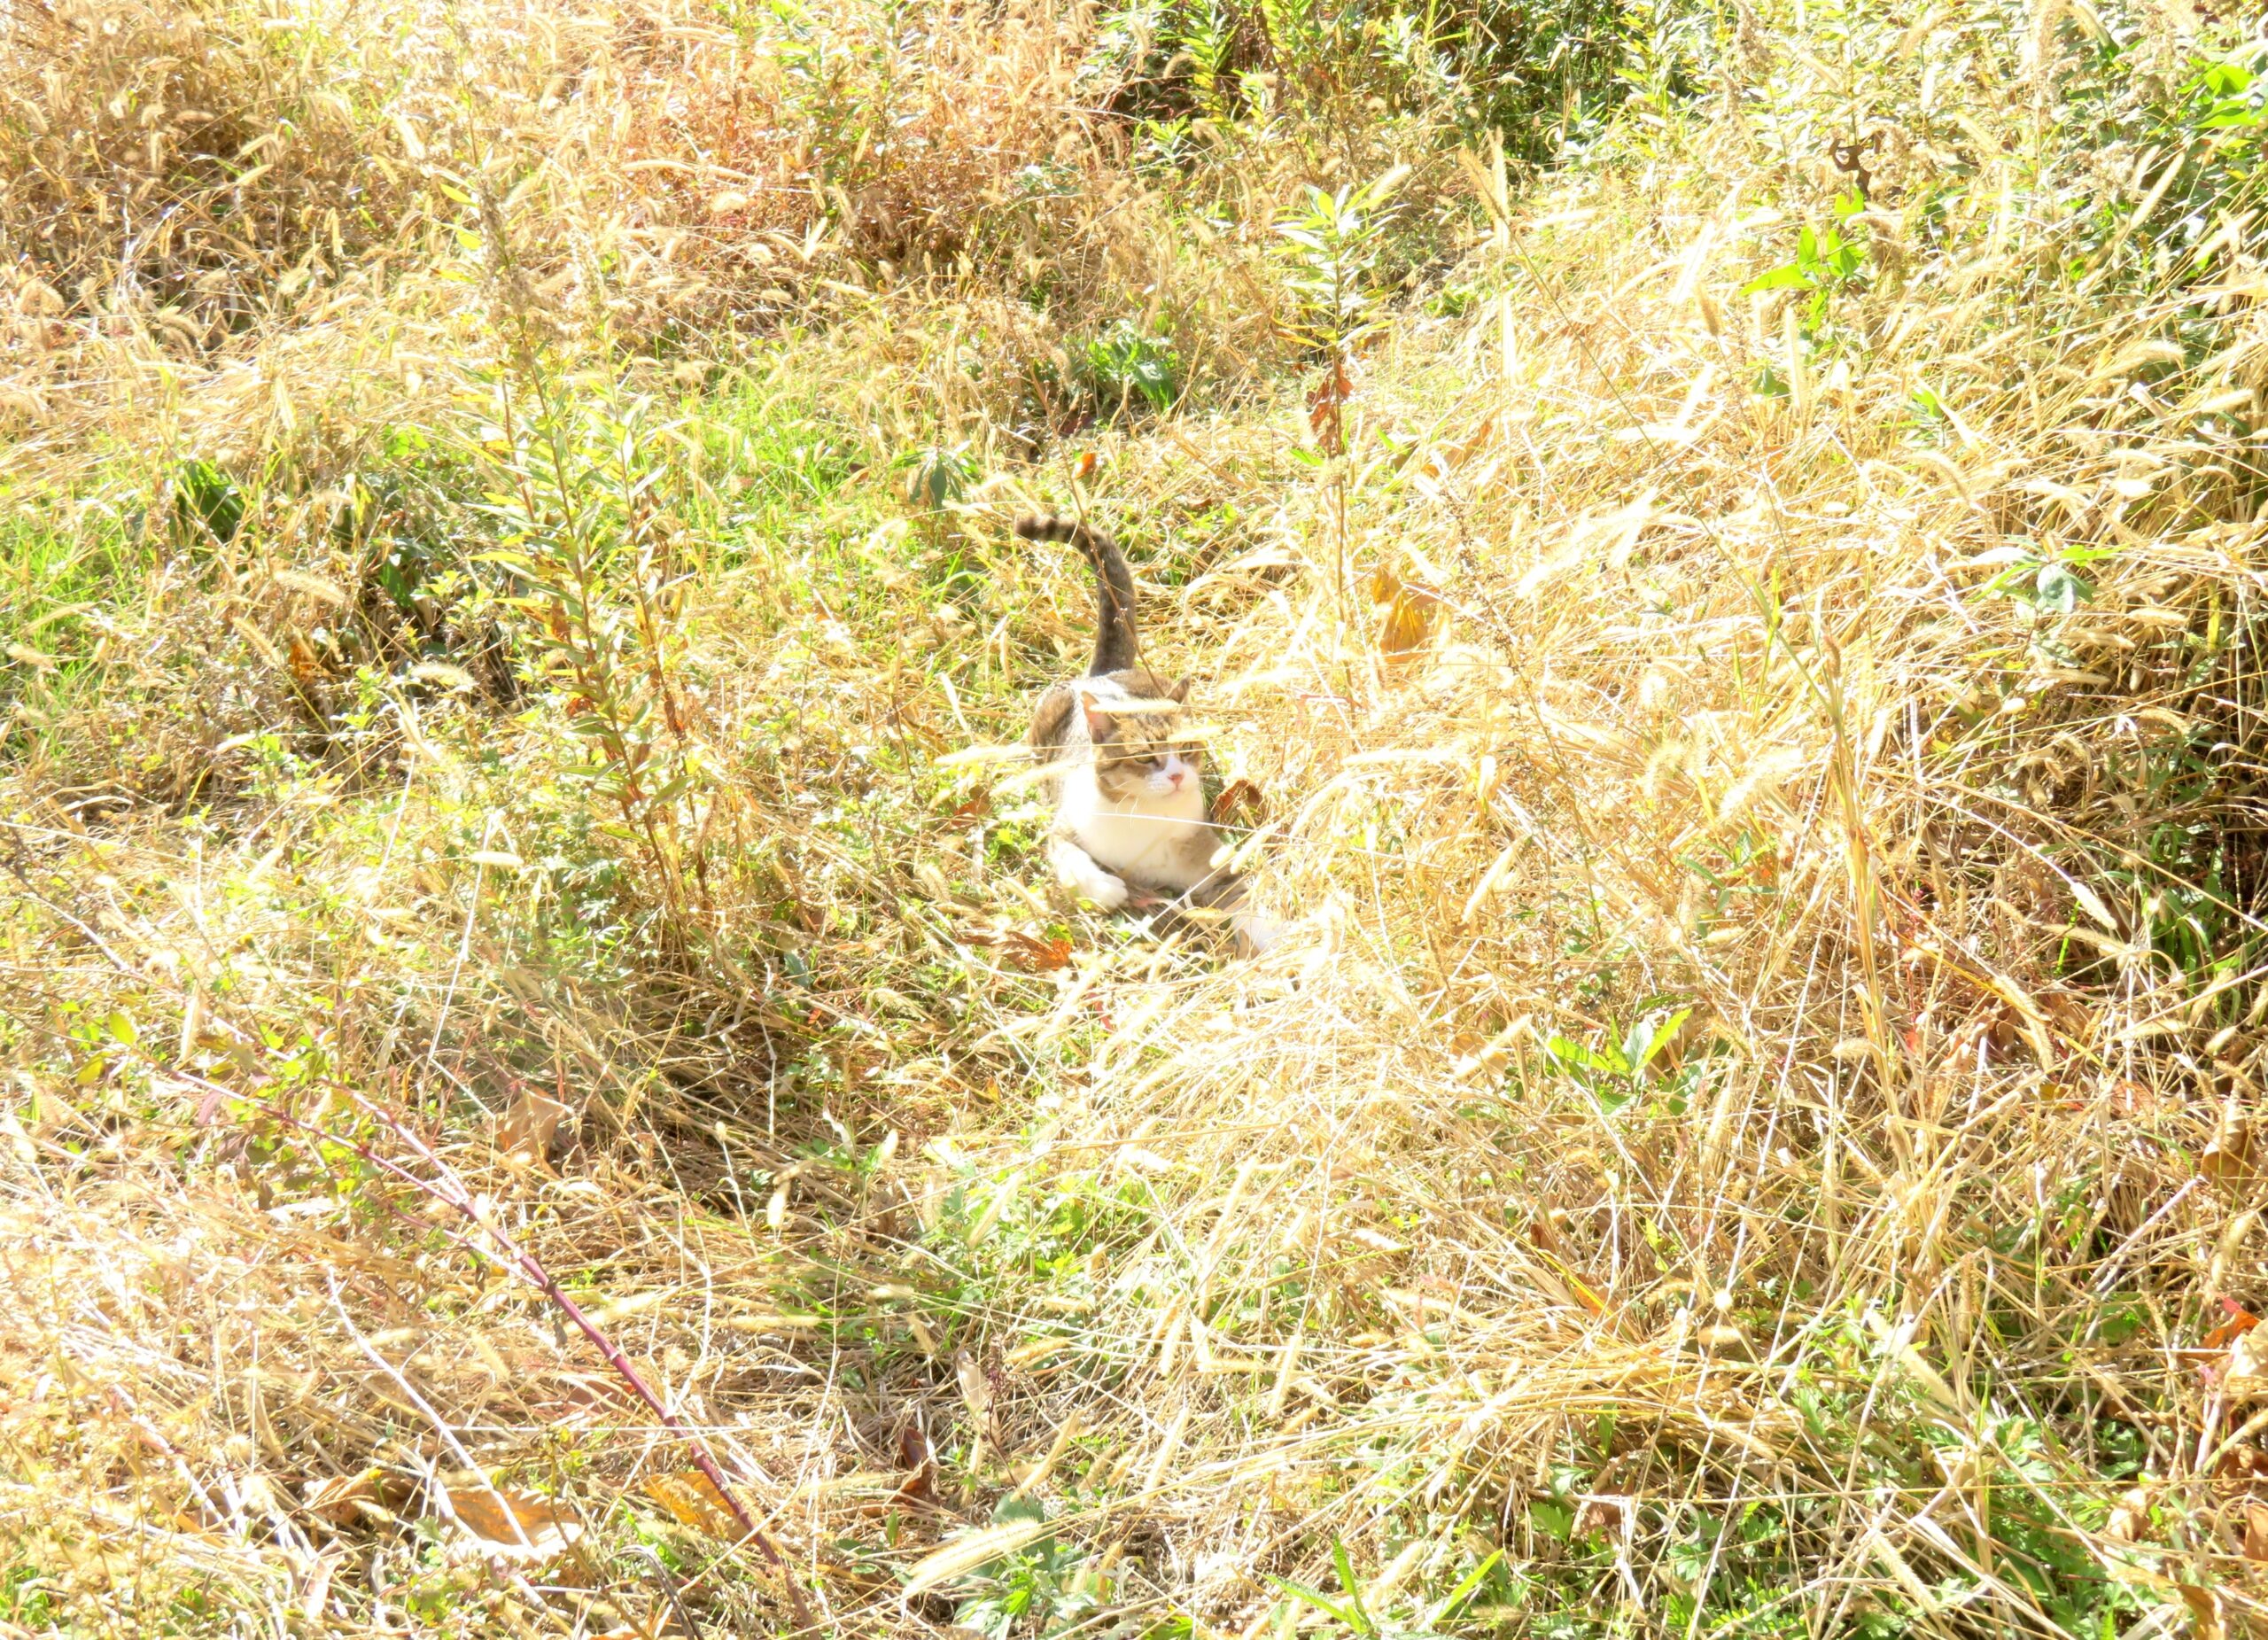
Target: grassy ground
(547,1089)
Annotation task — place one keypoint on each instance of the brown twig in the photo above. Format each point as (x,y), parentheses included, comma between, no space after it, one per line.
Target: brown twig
(451,1192)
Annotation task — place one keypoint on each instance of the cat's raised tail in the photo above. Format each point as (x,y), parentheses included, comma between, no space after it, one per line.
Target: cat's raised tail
(1115,642)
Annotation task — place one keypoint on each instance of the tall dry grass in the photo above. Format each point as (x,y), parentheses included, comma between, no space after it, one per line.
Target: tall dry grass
(1753,1131)
(213,203)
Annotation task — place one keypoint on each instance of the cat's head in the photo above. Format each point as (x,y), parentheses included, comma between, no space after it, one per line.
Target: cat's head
(1142,748)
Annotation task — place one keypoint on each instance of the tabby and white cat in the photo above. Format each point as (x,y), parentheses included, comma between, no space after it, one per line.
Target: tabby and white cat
(1131,823)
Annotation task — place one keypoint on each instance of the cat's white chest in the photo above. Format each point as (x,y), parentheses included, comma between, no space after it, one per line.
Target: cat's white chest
(1149,840)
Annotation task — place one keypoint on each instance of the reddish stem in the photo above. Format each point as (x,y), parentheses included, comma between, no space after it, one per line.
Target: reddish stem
(531,1270)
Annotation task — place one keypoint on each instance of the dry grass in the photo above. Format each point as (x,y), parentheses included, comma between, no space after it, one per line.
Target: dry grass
(1755,1128)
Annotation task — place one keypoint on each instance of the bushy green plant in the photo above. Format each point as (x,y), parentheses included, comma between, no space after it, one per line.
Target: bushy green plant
(1533,74)
(1125,364)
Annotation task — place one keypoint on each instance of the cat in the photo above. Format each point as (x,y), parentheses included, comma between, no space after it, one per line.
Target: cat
(1131,823)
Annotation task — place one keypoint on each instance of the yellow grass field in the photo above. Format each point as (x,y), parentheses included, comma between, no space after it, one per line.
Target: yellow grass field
(545,1086)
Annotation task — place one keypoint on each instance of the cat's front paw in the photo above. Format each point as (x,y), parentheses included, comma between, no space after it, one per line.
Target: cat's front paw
(1078,871)
(1102,890)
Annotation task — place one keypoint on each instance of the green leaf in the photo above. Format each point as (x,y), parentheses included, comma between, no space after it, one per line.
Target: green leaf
(1574,1055)
(2062,589)
(1345,1567)
(1555,1520)
(1637,1048)
(1787,276)
(1316,1598)
(1455,1597)
(1662,1034)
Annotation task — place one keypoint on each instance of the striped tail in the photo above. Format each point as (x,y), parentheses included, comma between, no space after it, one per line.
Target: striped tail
(1115,642)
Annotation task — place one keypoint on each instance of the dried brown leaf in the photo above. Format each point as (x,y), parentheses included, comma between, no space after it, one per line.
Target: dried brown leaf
(343,1500)
(1242,801)
(511,1522)
(531,1126)
(2239,1322)
(2204,1611)
(1036,955)
(1324,405)
(693,1499)
(2232,1158)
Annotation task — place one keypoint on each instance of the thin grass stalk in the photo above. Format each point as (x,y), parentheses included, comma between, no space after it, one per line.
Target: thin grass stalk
(449,1190)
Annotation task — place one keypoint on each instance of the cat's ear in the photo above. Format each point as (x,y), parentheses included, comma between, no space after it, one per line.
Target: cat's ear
(1098,722)
(1178,691)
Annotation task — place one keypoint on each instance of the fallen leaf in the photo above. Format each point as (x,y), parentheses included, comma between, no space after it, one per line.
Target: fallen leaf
(693,1499)
(510,1522)
(531,1125)
(307,665)
(1038,956)
(1243,800)
(2130,1097)
(2230,1160)
(2248,1369)
(1411,613)
(2205,1611)
(345,1500)
(2242,1465)
(1602,1514)
(918,1490)
(2256,1531)
(2239,1322)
